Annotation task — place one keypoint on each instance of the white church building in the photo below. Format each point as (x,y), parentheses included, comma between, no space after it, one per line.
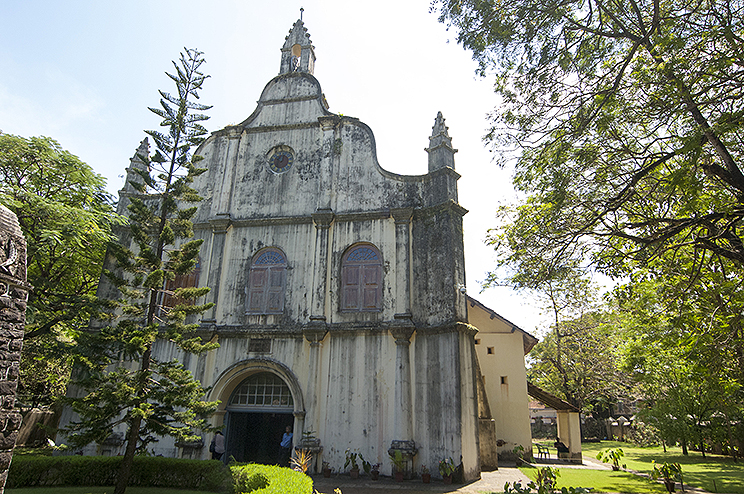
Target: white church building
(339,296)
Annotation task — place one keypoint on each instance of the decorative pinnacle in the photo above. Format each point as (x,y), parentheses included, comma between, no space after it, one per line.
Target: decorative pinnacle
(439,136)
(441,152)
(439,127)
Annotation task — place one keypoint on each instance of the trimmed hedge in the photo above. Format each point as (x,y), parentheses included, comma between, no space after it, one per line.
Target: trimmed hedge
(48,471)
(269,479)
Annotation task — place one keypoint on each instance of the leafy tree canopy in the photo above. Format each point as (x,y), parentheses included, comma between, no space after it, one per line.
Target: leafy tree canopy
(627,120)
(66,216)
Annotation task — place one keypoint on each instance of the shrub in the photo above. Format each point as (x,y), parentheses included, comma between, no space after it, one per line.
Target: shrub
(55,471)
(269,479)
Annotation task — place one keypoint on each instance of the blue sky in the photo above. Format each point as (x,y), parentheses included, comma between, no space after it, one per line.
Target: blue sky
(84,73)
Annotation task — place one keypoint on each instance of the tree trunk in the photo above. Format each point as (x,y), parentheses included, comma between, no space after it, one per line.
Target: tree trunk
(684,447)
(125,470)
(732,443)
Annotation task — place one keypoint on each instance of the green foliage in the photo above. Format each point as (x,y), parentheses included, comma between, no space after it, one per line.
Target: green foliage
(545,483)
(625,118)
(684,348)
(269,479)
(446,467)
(66,217)
(351,459)
(579,361)
(148,396)
(397,460)
(56,471)
(625,121)
(611,455)
(667,471)
(518,451)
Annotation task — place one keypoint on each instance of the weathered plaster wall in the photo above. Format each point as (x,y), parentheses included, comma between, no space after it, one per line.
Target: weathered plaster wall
(349,376)
(508,402)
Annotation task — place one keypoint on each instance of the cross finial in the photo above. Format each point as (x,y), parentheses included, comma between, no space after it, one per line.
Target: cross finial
(301,11)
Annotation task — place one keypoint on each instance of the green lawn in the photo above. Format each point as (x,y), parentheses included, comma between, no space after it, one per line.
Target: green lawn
(697,471)
(602,480)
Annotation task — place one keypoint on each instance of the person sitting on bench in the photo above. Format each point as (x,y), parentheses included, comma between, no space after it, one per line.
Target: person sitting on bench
(562,448)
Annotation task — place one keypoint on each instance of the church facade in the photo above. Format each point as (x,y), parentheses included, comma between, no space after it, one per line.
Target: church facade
(340,306)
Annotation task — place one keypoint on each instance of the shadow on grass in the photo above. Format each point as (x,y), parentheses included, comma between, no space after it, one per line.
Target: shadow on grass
(702,472)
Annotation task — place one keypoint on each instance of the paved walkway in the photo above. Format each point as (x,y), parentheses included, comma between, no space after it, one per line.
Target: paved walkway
(489,482)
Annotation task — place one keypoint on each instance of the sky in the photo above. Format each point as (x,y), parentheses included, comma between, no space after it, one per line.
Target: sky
(85,72)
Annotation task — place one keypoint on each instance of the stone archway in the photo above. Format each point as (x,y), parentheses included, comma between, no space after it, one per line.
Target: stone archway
(242,418)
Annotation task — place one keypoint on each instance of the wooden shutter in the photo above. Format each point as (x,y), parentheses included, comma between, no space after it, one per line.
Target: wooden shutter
(266,284)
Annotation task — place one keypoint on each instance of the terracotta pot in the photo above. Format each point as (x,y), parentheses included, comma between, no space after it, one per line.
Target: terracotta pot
(399,476)
(669,484)
(426,477)
(375,474)
(447,479)
(327,473)
(354,472)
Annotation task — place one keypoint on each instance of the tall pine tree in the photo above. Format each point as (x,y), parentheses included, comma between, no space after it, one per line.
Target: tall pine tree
(152,397)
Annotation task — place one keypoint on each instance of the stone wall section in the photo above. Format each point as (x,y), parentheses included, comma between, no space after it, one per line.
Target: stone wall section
(13,297)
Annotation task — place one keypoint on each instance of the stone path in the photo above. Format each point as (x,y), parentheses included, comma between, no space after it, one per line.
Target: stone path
(490,482)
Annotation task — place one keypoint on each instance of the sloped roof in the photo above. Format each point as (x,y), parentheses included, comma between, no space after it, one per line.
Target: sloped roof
(529,340)
(548,399)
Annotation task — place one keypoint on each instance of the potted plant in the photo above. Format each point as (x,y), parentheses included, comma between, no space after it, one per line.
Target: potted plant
(611,455)
(446,469)
(399,463)
(351,459)
(326,470)
(374,473)
(425,475)
(670,472)
(301,460)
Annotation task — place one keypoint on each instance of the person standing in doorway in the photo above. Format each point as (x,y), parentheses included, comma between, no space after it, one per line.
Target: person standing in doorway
(217,447)
(285,447)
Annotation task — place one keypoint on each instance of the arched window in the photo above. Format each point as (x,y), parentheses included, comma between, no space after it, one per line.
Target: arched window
(263,390)
(266,282)
(190,280)
(361,279)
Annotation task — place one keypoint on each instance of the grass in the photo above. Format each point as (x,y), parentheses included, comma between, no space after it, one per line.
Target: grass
(714,473)
(98,490)
(602,480)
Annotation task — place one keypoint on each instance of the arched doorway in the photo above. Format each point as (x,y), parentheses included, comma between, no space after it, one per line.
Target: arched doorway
(258,411)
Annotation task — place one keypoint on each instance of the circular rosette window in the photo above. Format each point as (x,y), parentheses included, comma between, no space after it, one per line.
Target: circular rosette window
(280,159)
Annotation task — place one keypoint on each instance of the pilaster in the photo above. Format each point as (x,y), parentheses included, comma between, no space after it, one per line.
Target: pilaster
(403,266)
(322,219)
(402,331)
(220,225)
(224,198)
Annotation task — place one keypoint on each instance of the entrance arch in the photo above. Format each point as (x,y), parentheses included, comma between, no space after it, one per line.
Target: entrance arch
(259,398)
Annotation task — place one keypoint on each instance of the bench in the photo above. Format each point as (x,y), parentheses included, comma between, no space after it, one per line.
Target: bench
(542,451)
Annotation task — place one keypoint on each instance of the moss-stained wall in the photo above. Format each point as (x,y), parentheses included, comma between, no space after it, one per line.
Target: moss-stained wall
(358,378)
